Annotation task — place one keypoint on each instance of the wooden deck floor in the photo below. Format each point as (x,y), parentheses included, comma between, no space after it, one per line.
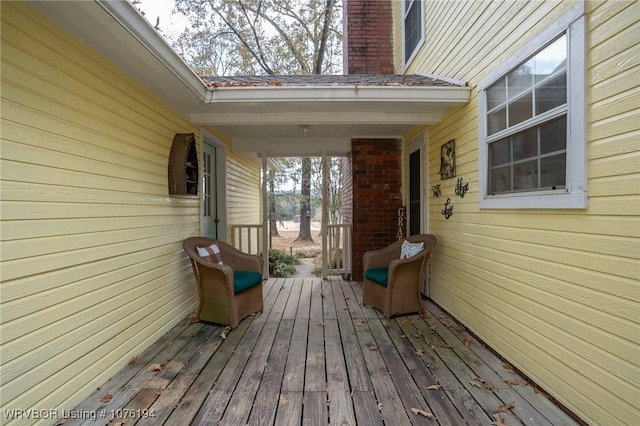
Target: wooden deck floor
(315,356)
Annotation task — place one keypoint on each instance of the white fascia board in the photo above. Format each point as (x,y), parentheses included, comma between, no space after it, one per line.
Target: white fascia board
(133,21)
(256,94)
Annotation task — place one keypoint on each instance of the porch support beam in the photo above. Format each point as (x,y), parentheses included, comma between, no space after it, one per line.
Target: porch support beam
(307,146)
(325,215)
(265,218)
(349,117)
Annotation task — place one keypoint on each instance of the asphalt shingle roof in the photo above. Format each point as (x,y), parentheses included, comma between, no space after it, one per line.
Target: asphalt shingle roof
(325,80)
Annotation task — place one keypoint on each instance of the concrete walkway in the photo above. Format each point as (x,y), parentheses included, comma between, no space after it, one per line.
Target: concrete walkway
(305,269)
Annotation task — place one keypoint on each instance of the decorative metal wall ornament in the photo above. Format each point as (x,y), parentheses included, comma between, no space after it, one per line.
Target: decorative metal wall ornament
(436,190)
(448,209)
(461,189)
(448,160)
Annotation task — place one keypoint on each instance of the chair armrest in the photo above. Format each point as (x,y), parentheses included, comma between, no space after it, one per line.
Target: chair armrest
(380,258)
(240,261)
(406,269)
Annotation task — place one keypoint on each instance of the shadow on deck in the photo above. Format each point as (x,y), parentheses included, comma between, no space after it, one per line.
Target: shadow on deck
(316,356)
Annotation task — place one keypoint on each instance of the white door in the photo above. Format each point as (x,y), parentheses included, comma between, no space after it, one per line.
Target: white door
(209,194)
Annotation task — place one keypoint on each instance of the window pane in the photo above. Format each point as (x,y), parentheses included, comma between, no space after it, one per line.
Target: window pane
(520,79)
(497,94)
(551,59)
(500,152)
(525,175)
(551,94)
(553,171)
(525,144)
(500,180)
(497,121)
(412,28)
(553,135)
(521,110)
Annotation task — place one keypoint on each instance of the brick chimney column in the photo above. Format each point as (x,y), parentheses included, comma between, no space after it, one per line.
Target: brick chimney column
(368,42)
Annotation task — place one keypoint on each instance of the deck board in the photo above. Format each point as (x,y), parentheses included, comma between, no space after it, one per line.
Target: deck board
(316,356)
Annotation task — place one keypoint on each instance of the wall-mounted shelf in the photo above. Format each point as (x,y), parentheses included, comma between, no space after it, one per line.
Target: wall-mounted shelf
(183,165)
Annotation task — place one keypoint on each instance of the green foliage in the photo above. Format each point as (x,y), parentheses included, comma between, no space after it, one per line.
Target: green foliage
(281,264)
(301,254)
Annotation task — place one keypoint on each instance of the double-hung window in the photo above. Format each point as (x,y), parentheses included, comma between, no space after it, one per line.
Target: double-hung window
(413,28)
(531,124)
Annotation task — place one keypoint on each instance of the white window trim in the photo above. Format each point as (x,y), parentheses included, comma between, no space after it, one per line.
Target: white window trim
(574,196)
(406,61)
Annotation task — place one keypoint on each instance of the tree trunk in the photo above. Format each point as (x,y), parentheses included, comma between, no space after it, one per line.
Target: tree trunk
(305,202)
(273,223)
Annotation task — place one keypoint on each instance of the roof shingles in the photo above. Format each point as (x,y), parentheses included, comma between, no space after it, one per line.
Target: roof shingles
(325,80)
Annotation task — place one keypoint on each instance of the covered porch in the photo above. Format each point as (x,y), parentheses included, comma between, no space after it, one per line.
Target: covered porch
(317,356)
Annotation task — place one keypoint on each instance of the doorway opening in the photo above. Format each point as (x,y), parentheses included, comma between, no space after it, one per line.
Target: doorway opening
(306,230)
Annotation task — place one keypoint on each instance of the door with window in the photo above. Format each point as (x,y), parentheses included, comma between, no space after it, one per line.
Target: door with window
(209,205)
(416,208)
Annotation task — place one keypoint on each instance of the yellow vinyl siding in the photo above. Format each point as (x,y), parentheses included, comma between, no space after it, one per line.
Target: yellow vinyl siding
(556,292)
(243,186)
(92,265)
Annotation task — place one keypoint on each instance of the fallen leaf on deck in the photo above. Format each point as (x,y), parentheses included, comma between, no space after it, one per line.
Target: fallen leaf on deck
(379,406)
(434,387)
(467,342)
(507,366)
(133,361)
(106,397)
(504,408)
(433,327)
(498,421)
(373,348)
(476,384)
(420,352)
(417,411)
(223,335)
(514,382)
(155,367)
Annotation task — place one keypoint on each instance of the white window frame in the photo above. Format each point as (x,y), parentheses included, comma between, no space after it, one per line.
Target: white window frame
(574,195)
(405,10)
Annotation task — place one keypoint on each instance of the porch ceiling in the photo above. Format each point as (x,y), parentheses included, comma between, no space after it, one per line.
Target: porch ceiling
(260,114)
(312,119)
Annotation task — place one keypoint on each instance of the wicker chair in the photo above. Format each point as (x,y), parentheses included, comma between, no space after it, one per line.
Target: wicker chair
(392,284)
(230,291)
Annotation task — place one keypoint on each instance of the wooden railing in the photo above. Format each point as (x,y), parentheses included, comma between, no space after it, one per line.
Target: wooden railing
(247,238)
(337,253)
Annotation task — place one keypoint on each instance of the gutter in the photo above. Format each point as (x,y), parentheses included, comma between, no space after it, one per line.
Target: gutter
(437,94)
(136,25)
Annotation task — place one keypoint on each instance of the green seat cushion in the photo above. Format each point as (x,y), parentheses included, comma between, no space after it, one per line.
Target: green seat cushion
(378,275)
(244,280)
